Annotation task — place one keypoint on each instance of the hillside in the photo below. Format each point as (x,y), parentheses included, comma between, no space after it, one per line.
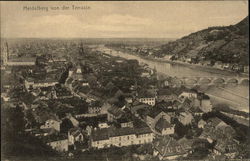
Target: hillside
(228,44)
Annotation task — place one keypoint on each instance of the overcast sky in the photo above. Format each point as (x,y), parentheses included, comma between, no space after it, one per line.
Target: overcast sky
(118,19)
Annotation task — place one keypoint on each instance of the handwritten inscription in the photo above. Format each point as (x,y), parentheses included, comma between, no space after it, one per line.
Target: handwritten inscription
(56,8)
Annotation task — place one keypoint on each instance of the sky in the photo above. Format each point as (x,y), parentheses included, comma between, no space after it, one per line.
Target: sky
(116,19)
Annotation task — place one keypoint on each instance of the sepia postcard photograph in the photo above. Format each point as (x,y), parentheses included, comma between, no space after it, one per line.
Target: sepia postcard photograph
(124,81)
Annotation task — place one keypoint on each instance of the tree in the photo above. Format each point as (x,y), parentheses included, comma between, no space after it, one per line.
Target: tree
(31,119)
(66,125)
(64,76)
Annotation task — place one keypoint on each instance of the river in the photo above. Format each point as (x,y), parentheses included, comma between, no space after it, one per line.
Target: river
(236,96)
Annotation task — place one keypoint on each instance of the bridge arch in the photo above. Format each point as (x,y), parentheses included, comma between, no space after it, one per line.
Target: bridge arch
(233,80)
(219,81)
(205,81)
(190,81)
(244,81)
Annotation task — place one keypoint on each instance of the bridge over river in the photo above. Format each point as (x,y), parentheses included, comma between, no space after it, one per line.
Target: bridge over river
(213,80)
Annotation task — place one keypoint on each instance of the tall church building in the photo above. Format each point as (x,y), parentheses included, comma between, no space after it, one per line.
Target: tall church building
(5,54)
(15,61)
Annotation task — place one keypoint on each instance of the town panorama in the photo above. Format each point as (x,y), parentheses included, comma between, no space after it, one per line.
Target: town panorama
(128,99)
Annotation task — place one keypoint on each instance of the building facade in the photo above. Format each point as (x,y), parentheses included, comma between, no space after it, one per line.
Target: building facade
(105,138)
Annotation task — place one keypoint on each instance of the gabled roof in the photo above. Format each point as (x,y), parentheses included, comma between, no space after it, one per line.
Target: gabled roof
(162,124)
(75,132)
(100,134)
(186,143)
(195,110)
(226,146)
(168,146)
(145,94)
(162,92)
(156,111)
(202,122)
(115,111)
(164,104)
(214,121)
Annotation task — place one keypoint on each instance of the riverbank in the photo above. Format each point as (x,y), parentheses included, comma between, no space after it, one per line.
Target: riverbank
(188,65)
(200,67)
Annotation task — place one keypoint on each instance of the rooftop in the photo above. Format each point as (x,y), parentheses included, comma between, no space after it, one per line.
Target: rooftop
(115,111)
(22,59)
(105,133)
(168,146)
(162,124)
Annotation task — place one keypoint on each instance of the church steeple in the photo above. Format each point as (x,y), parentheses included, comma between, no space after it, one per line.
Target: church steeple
(5,54)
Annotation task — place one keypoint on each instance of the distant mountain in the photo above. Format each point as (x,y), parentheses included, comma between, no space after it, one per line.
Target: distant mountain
(228,44)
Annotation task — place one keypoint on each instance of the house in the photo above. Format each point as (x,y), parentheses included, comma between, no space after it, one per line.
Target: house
(189,60)
(196,111)
(216,123)
(42,132)
(177,104)
(5,97)
(246,69)
(75,135)
(105,107)
(95,107)
(136,105)
(145,74)
(119,137)
(186,144)
(76,73)
(52,124)
(167,148)
(155,115)
(168,57)
(85,83)
(23,61)
(57,60)
(227,147)
(114,113)
(216,129)
(185,118)
(129,99)
(147,98)
(167,105)
(125,122)
(189,93)
(206,62)
(201,124)
(78,70)
(165,95)
(35,83)
(205,104)
(164,127)
(185,103)
(226,66)
(74,122)
(58,143)
(218,64)
(103,125)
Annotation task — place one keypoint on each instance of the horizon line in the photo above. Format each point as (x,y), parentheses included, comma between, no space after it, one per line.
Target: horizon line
(88,38)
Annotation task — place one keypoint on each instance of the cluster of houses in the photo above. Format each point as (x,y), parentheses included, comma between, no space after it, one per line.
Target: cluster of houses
(143,116)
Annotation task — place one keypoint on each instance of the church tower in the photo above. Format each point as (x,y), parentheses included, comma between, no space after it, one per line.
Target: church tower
(5,54)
